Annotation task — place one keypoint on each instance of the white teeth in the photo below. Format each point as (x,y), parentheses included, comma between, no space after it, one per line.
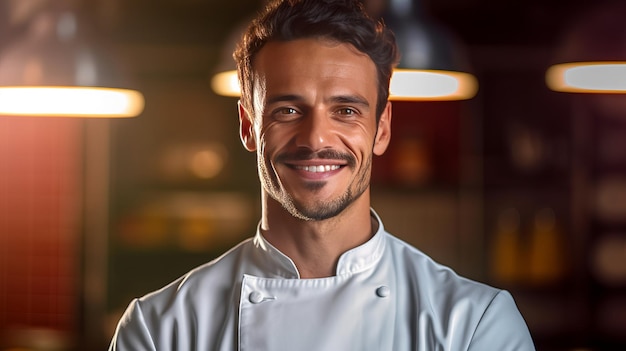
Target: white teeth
(321,168)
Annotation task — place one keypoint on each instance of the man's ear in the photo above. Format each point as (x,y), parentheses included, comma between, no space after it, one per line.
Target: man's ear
(246,128)
(383,133)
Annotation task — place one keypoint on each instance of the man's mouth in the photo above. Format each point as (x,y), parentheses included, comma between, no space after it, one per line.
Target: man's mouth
(318,168)
(316,165)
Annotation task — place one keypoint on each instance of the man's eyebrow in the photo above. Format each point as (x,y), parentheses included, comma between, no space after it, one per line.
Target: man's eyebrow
(337,99)
(283,98)
(350,99)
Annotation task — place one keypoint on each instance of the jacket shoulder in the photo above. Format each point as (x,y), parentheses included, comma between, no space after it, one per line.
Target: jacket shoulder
(214,278)
(465,311)
(437,288)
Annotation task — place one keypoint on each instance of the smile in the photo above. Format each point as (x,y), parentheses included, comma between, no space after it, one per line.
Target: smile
(318,169)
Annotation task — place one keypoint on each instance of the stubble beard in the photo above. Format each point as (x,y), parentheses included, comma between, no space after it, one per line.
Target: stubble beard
(319,210)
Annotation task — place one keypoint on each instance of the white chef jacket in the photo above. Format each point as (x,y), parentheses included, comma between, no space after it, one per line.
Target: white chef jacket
(386,296)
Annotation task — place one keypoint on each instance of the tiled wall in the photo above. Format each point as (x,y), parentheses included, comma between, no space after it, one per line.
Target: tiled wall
(41,165)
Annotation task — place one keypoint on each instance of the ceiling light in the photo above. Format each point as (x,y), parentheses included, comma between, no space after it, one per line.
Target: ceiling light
(226,83)
(591,57)
(56,70)
(411,84)
(588,77)
(433,64)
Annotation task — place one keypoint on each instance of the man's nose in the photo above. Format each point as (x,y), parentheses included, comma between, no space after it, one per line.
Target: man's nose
(315,131)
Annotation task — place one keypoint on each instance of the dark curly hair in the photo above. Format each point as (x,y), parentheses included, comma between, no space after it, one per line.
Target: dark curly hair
(344,21)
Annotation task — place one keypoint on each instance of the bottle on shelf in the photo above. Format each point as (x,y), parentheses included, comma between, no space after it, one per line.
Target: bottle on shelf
(546,250)
(506,259)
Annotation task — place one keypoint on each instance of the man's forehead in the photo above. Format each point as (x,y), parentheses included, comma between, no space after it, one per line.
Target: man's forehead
(312,66)
(315,46)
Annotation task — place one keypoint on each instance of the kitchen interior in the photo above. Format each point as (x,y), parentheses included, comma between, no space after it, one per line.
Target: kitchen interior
(519,185)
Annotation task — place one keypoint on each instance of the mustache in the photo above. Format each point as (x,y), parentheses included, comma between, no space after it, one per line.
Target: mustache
(326,154)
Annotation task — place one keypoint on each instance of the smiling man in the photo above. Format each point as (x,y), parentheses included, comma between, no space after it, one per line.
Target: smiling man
(313,123)
(321,273)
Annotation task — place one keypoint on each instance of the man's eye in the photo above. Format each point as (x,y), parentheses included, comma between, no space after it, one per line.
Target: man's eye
(346,111)
(287,111)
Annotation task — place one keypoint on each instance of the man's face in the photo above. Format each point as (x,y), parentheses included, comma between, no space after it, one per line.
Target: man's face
(314,125)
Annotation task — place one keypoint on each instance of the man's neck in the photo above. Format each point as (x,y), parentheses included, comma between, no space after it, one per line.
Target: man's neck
(315,246)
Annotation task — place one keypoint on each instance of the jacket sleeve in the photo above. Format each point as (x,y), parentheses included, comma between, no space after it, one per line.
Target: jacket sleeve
(502,327)
(132,332)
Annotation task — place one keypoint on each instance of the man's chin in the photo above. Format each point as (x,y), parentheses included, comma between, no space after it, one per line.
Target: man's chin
(319,211)
(315,216)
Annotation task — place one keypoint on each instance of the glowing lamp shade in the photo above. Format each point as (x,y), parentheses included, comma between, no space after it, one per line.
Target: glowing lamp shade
(588,77)
(56,70)
(226,83)
(591,55)
(431,85)
(70,102)
(433,63)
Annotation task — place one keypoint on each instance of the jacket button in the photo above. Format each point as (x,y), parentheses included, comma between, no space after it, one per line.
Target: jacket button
(383,291)
(255,297)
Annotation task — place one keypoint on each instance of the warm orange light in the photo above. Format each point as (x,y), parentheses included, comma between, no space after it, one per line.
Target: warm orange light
(588,77)
(409,84)
(70,101)
(226,84)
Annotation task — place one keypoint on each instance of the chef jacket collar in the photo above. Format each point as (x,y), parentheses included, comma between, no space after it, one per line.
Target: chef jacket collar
(352,261)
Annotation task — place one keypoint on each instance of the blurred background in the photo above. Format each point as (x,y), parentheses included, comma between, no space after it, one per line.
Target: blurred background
(518,186)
